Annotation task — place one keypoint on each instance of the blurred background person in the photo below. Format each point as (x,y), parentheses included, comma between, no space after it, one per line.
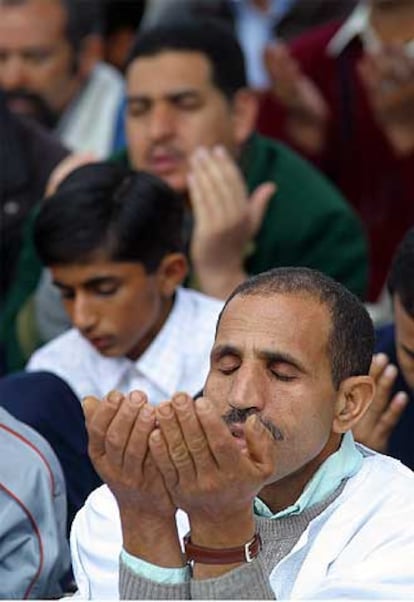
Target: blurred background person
(388,425)
(51,68)
(255,22)
(343,95)
(28,154)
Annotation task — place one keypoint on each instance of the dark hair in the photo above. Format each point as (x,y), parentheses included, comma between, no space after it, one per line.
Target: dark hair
(351,340)
(210,37)
(103,207)
(401,276)
(84,17)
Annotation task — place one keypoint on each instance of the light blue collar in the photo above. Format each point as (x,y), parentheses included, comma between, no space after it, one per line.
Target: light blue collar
(342,464)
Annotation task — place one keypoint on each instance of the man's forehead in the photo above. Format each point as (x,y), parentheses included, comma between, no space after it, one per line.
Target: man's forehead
(36,22)
(271,314)
(169,68)
(82,273)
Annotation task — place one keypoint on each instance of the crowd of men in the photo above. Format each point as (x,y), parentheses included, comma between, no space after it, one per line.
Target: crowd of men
(206,305)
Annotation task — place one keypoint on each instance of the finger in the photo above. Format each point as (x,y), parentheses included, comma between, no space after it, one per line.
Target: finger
(121,426)
(222,181)
(379,362)
(369,74)
(261,446)
(384,385)
(193,433)
(89,405)
(391,417)
(177,448)
(231,179)
(258,204)
(98,422)
(207,211)
(137,446)
(282,67)
(159,453)
(222,444)
(402,64)
(64,168)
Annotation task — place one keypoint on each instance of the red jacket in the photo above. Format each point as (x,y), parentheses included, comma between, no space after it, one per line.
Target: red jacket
(357,156)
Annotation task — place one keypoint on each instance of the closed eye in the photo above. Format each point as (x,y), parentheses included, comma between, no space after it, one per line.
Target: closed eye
(282,377)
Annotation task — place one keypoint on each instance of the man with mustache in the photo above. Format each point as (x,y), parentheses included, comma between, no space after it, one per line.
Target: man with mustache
(279,501)
(50,69)
(343,95)
(191,120)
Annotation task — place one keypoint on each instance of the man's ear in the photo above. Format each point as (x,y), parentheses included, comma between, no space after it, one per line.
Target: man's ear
(171,273)
(245,109)
(354,397)
(90,52)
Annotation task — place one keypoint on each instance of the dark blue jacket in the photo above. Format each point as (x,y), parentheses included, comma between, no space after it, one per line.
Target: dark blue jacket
(401,444)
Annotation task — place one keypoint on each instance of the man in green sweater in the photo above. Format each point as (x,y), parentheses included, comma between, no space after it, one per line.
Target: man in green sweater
(253,204)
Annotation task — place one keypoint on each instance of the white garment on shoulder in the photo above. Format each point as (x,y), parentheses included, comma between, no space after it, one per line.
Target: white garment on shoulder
(177,359)
(96,543)
(362,546)
(88,125)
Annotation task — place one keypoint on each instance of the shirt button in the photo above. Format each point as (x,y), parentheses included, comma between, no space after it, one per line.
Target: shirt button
(11,208)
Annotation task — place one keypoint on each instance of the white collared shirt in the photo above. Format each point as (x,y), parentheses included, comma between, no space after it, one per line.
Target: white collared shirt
(358,24)
(177,359)
(89,122)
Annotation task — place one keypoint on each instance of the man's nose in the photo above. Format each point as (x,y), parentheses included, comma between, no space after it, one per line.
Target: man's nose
(162,122)
(13,73)
(247,388)
(83,315)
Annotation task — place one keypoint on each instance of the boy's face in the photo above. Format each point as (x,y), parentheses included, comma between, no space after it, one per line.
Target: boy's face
(117,306)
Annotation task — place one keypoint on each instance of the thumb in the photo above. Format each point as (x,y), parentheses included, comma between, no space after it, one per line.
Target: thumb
(274,55)
(258,203)
(260,443)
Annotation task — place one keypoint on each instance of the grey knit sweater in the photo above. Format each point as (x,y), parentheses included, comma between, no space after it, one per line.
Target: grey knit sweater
(247,582)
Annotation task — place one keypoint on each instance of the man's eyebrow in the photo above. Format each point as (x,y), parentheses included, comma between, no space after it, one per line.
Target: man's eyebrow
(60,284)
(409,351)
(173,95)
(220,351)
(281,357)
(92,282)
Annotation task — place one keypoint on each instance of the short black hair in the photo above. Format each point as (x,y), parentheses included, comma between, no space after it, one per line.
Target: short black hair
(106,208)
(210,37)
(85,17)
(401,276)
(351,340)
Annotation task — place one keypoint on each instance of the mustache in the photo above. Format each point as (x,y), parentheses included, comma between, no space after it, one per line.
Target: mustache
(165,149)
(40,109)
(240,415)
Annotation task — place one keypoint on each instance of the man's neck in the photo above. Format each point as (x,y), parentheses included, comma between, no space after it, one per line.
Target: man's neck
(393,21)
(284,493)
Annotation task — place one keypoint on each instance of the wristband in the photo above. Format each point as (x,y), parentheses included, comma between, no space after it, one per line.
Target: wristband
(245,553)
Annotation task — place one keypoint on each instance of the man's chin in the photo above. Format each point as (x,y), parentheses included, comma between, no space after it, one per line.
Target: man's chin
(22,107)
(176,181)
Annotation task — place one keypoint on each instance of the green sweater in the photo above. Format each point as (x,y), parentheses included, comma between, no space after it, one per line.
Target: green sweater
(308,223)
